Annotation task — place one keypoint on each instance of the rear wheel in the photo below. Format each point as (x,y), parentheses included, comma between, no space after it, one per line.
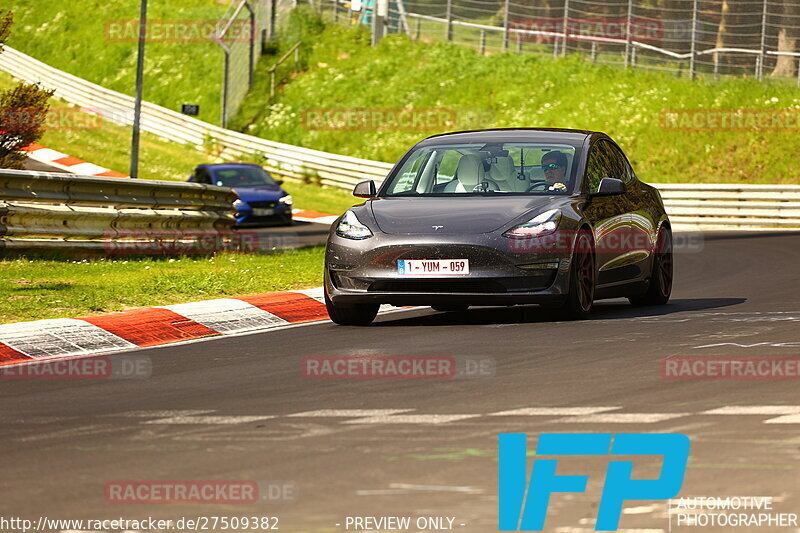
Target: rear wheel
(450,308)
(660,287)
(580,298)
(351,315)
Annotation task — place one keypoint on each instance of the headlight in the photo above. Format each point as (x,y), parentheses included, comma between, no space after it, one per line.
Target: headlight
(350,228)
(286,199)
(542,224)
(239,204)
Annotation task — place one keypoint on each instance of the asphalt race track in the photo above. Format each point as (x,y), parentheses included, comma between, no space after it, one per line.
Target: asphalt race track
(219,409)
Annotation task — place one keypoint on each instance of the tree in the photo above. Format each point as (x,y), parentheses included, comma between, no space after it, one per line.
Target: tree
(787,38)
(23,110)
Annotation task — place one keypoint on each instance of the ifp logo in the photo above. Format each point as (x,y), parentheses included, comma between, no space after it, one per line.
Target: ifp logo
(527,512)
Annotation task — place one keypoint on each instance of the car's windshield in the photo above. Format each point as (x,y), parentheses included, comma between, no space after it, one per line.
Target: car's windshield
(501,167)
(242,177)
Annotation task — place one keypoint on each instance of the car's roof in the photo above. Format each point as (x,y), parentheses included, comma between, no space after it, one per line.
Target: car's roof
(224,166)
(511,134)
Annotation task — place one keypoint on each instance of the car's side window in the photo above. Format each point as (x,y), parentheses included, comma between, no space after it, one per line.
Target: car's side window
(598,166)
(622,162)
(202,176)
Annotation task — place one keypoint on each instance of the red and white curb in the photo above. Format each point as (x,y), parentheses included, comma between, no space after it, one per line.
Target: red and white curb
(56,159)
(313,216)
(57,338)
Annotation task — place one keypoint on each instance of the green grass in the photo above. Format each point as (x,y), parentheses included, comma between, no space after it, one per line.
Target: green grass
(78,37)
(510,90)
(36,289)
(108,145)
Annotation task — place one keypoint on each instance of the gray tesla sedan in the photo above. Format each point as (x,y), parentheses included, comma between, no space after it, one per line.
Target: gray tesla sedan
(501,217)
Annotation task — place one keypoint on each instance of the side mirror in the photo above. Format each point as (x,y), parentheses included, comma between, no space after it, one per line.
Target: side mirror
(365,189)
(279,182)
(610,187)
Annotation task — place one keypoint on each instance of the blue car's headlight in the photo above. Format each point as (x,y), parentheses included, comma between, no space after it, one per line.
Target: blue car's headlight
(542,224)
(286,199)
(239,204)
(350,228)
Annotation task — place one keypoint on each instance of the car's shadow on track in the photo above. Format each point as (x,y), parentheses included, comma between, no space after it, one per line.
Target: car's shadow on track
(523,314)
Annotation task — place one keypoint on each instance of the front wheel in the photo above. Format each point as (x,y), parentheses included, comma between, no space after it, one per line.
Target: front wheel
(582,276)
(351,315)
(660,287)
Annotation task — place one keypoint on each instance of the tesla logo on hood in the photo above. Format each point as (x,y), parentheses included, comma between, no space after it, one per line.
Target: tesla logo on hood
(437,228)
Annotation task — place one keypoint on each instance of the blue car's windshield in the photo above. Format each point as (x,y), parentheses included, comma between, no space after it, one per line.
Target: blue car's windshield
(503,168)
(242,177)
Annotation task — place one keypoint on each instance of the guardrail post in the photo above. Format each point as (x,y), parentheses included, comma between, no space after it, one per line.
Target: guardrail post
(693,46)
(336,10)
(483,42)
(763,54)
(505,26)
(137,106)
(449,30)
(519,43)
(628,37)
(566,28)
(417,29)
(594,52)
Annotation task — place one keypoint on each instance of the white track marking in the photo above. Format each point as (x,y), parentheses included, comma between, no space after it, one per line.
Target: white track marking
(318,293)
(786,419)
(87,169)
(793,344)
(227,315)
(754,410)
(213,420)
(59,337)
(410,419)
(348,413)
(622,418)
(160,414)
(555,411)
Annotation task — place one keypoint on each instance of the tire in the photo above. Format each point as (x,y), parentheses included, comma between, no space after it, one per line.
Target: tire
(351,315)
(659,288)
(450,308)
(582,280)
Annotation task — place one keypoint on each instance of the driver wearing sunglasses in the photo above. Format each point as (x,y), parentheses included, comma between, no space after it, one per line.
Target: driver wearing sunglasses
(554,165)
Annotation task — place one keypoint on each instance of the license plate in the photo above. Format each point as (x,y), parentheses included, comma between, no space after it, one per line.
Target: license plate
(263,212)
(433,267)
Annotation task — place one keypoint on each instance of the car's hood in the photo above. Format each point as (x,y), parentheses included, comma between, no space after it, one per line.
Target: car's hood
(440,215)
(259,194)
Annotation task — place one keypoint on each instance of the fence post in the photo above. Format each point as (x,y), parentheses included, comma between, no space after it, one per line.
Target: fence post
(483,42)
(449,31)
(693,48)
(252,58)
(594,51)
(566,28)
(225,81)
(762,55)
(519,43)
(336,10)
(505,26)
(628,37)
(417,29)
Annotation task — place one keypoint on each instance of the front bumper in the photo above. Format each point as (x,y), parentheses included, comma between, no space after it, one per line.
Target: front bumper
(500,273)
(282,215)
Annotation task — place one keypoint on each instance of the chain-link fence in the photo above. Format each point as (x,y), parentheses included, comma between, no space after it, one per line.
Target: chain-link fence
(689,37)
(241,34)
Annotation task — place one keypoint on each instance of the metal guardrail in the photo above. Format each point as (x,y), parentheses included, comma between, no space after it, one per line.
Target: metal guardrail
(732,206)
(40,210)
(281,159)
(702,205)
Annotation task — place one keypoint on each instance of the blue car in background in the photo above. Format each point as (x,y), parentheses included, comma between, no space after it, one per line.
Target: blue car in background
(261,199)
